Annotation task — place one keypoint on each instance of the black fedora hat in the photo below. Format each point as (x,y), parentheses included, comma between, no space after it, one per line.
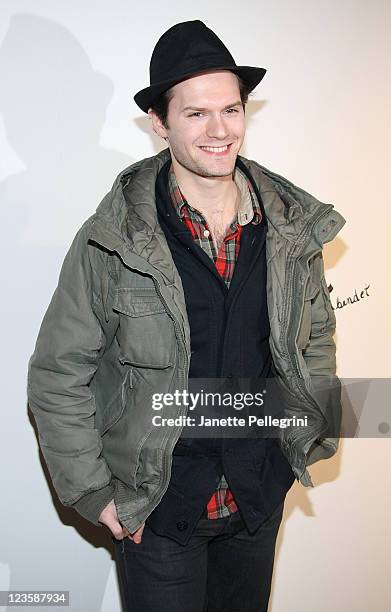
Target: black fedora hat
(186,49)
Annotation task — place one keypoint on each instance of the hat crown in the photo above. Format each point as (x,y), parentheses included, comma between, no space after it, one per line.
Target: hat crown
(191,45)
(185,50)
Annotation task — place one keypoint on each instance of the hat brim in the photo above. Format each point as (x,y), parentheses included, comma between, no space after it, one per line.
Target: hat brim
(144,98)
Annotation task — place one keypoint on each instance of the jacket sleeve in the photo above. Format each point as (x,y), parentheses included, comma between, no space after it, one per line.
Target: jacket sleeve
(320,358)
(67,353)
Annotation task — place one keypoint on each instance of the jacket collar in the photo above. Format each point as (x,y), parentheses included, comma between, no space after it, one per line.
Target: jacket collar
(129,213)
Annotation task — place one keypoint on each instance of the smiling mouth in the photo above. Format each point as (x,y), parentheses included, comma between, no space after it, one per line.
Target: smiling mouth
(217,150)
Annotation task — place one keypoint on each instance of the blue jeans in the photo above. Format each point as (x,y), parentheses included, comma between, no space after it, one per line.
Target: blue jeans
(222,568)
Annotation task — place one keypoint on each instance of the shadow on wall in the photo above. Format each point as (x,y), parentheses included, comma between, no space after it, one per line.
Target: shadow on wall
(53,106)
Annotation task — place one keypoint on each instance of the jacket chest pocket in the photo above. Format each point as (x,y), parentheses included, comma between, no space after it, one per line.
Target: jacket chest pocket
(146,333)
(304,333)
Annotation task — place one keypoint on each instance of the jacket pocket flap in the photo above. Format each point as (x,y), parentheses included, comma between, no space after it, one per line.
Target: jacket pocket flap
(137,302)
(311,291)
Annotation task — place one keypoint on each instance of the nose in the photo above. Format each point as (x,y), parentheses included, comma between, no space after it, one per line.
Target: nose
(216,127)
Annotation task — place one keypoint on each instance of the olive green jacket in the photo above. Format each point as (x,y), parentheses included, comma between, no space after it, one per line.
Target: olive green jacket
(116,330)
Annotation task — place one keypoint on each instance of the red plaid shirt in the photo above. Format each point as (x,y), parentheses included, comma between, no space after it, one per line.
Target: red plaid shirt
(222,502)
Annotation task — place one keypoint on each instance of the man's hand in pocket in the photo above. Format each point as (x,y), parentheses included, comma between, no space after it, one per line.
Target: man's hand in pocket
(109,517)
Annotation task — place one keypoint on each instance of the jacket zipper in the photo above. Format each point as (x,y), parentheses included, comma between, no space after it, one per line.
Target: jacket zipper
(182,376)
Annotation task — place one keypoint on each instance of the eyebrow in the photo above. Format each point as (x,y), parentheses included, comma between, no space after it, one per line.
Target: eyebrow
(196,108)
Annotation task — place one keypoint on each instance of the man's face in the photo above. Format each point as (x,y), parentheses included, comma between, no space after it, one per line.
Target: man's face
(206,124)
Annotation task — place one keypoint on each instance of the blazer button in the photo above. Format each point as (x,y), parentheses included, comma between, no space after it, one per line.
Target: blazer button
(182,525)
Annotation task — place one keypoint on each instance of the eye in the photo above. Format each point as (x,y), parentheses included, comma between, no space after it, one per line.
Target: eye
(231,111)
(195,114)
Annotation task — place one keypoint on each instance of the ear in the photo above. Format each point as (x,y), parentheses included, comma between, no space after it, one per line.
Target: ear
(157,125)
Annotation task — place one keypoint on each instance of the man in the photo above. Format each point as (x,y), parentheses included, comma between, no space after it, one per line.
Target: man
(198,264)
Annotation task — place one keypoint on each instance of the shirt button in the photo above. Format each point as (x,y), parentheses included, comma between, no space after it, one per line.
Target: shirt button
(182,525)
(206,233)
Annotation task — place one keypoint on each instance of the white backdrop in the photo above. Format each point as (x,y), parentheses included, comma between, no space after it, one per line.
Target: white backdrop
(68,125)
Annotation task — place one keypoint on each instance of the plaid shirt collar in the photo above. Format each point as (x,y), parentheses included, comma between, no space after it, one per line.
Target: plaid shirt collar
(249,209)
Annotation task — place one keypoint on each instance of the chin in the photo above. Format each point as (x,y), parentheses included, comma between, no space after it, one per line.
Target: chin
(216,174)
(217,170)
